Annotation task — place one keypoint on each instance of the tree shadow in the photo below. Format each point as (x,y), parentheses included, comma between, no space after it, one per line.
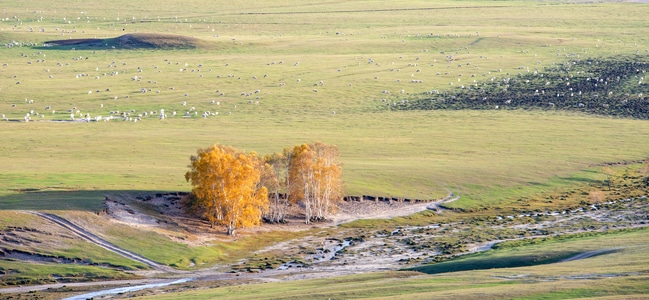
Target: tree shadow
(56,199)
(482,262)
(485,261)
(128,41)
(587,176)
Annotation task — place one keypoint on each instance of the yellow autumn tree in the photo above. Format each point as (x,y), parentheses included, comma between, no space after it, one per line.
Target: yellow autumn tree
(301,174)
(328,180)
(315,174)
(226,187)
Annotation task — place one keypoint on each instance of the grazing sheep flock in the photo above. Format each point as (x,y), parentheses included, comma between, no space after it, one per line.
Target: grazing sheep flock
(128,89)
(109,84)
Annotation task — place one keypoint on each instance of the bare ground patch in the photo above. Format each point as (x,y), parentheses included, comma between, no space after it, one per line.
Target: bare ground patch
(164,214)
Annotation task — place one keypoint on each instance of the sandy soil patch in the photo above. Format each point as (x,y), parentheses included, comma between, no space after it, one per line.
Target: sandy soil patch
(164,214)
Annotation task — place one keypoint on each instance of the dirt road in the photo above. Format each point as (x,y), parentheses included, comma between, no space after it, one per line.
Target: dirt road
(90,237)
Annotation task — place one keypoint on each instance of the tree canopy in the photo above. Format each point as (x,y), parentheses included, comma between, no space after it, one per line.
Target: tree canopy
(226,187)
(316,179)
(276,179)
(232,188)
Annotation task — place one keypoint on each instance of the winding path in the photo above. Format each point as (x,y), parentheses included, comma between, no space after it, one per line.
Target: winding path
(90,237)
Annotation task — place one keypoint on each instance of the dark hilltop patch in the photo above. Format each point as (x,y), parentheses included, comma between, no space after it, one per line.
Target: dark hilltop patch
(609,86)
(130,41)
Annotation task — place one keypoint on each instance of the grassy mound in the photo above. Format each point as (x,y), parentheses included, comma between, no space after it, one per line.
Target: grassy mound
(132,41)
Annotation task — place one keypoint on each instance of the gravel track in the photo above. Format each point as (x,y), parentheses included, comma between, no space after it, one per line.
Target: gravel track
(88,236)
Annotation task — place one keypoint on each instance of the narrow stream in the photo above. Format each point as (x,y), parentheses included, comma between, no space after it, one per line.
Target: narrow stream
(126,289)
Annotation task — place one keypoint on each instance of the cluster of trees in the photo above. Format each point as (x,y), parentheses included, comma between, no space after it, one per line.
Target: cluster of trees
(238,189)
(615,86)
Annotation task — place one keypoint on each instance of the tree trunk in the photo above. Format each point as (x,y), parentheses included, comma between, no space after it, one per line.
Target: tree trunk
(231,230)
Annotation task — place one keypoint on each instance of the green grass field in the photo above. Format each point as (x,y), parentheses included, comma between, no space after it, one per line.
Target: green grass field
(301,62)
(417,154)
(357,52)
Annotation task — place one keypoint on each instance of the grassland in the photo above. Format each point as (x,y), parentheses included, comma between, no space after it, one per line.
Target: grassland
(354,53)
(409,159)
(428,152)
(612,274)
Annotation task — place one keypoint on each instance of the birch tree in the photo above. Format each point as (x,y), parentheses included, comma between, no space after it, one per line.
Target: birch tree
(275,177)
(226,187)
(316,179)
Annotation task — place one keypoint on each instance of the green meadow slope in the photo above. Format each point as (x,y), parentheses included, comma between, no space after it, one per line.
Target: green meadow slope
(301,64)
